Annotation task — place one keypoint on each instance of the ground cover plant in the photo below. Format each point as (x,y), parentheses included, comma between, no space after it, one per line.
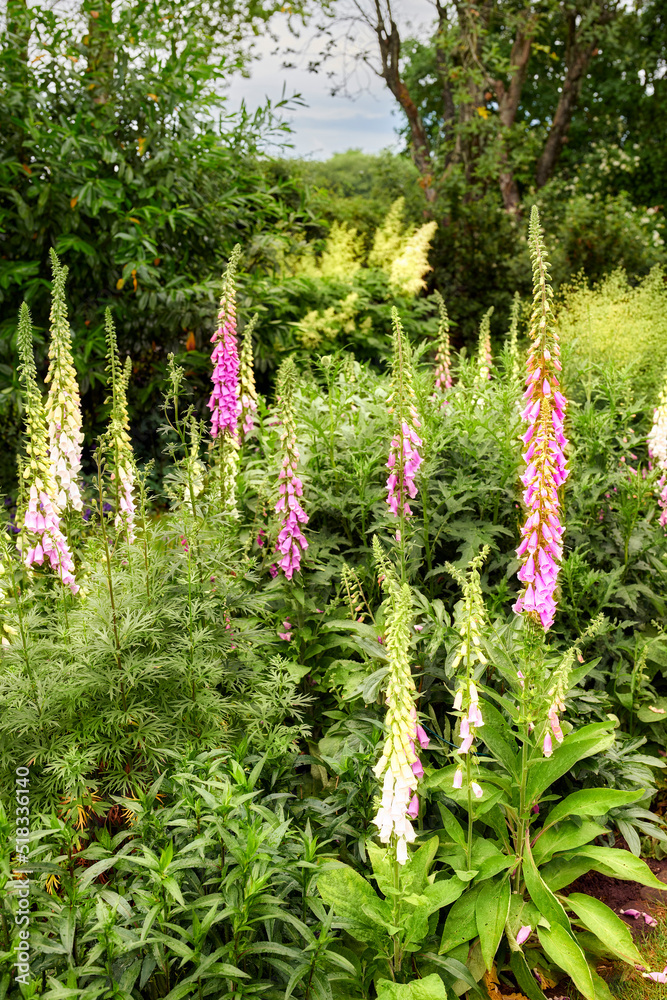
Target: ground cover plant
(349,704)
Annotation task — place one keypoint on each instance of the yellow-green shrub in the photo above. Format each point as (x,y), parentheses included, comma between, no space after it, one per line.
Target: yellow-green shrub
(618,322)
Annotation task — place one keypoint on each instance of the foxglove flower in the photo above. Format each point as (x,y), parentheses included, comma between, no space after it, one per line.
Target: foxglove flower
(657,450)
(225,404)
(248,392)
(291,541)
(117,438)
(41,537)
(541,547)
(404,457)
(63,404)
(399,766)
(443,361)
(225,401)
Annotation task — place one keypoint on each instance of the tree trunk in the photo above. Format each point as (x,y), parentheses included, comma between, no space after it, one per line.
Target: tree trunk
(508,105)
(390,52)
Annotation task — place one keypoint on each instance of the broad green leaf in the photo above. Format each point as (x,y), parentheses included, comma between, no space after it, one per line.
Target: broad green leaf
(461,924)
(443,893)
(493,903)
(591,802)
(492,866)
(612,931)
(576,746)
(564,870)
(355,900)
(567,955)
(429,988)
(542,895)
(621,864)
(564,837)
(416,871)
(653,711)
(383,871)
(525,977)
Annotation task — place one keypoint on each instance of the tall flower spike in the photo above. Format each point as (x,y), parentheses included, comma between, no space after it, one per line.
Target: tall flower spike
(484,354)
(41,522)
(291,541)
(248,392)
(404,458)
(399,766)
(470,622)
(225,403)
(443,375)
(118,433)
(63,404)
(657,450)
(541,547)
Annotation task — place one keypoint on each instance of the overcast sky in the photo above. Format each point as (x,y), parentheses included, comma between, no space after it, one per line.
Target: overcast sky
(328,124)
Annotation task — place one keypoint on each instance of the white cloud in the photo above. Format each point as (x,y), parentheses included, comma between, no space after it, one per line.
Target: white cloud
(325,124)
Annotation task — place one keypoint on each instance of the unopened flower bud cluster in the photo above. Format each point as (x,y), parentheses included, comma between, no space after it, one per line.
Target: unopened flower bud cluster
(63,405)
(399,768)
(471,622)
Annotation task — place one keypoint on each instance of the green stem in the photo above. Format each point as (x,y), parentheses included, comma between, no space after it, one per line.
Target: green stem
(114,618)
(469,780)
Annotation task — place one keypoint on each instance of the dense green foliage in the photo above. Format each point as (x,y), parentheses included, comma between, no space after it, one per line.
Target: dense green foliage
(201,731)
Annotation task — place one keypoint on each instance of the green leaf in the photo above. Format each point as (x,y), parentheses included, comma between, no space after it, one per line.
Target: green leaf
(525,977)
(646,714)
(451,825)
(457,970)
(429,988)
(443,893)
(565,837)
(564,870)
(494,865)
(461,923)
(542,895)
(498,737)
(355,900)
(612,931)
(564,952)
(621,864)
(493,904)
(591,802)
(575,747)
(417,869)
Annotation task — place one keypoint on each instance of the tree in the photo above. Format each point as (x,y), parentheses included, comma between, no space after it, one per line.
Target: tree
(462,91)
(116,149)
